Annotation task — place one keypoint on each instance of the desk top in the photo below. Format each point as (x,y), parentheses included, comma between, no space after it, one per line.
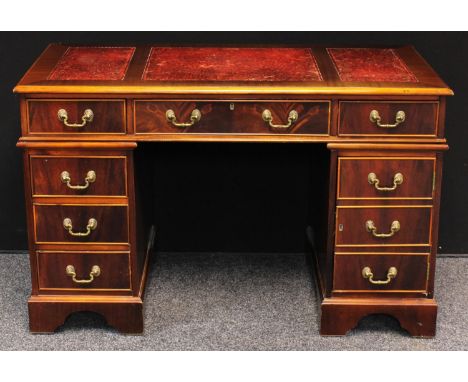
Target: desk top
(231,70)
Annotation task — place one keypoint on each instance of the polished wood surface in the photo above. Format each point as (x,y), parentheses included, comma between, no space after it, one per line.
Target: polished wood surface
(333,105)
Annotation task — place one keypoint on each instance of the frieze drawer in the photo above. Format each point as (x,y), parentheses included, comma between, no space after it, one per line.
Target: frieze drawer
(76,117)
(206,117)
(388,118)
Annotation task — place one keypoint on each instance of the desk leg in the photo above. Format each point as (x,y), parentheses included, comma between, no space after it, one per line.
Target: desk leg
(416,316)
(47,313)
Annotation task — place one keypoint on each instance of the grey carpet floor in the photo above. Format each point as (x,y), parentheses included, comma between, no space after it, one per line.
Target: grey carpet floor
(230,302)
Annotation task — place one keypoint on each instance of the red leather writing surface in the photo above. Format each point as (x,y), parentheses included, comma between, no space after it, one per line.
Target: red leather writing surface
(370,64)
(93,63)
(231,64)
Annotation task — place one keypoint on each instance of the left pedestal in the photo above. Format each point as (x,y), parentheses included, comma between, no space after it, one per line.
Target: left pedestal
(82,215)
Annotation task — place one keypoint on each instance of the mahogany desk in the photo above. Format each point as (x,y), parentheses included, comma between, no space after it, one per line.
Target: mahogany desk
(379,111)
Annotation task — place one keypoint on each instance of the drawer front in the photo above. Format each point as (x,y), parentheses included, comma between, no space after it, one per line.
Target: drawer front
(107,116)
(110,226)
(111,270)
(379,178)
(375,273)
(232,117)
(78,176)
(383,226)
(420,118)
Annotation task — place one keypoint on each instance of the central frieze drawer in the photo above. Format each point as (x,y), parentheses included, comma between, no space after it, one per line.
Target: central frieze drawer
(210,117)
(81,223)
(385,178)
(76,116)
(361,226)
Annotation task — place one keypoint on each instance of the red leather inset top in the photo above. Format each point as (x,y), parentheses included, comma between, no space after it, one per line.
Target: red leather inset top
(231,64)
(93,63)
(370,65)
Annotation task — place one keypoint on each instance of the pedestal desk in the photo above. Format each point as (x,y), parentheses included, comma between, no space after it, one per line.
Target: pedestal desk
(373,229)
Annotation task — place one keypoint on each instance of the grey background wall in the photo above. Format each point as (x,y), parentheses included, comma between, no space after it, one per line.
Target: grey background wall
(446,52)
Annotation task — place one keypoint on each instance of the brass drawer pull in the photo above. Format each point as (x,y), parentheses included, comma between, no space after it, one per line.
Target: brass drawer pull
(375,118)
(391,274)
(195,117)
(88,116)
(292,118)
(67,224)
(397,180)
(90,178)
(394,228)
(95,272)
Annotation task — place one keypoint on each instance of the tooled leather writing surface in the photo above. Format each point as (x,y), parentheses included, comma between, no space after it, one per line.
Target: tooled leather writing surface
(370,64)
(93,63)
(231,64)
